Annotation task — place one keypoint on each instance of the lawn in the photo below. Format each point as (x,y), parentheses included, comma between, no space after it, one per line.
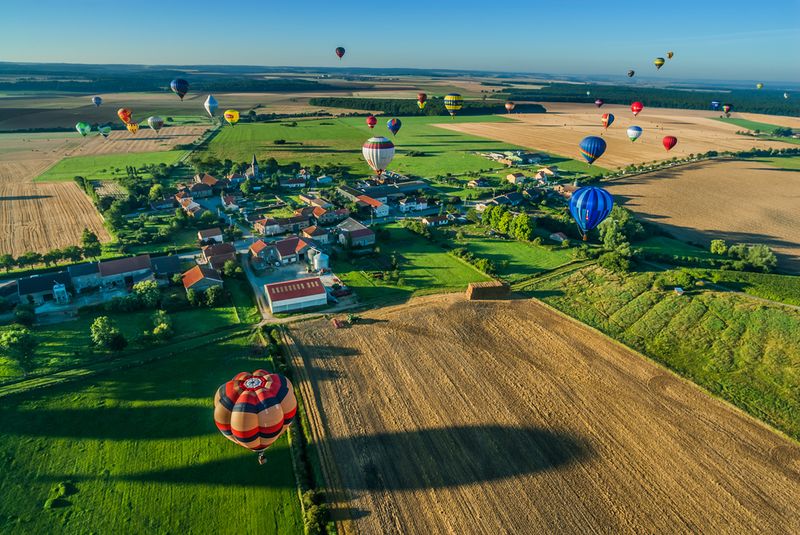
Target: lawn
(752,125)
(137,452)
(791,163)
(105,166)
(740,349)
(668,246)
(424,268)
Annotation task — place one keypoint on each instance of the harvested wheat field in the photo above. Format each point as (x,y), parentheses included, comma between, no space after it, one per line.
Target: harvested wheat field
(449,416)
(739,201)
(560,130)
(145,140)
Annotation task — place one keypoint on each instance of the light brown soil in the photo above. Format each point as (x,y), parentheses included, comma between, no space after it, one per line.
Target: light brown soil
(564,126)
(739,201)
(145,140)
(450,416)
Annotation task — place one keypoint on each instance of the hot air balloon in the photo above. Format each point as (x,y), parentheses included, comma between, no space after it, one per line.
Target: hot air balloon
(592,147)
(599,102)
(394,126)
(670,54)
(104,130)
(83,128)
(378,152)
(211,105)
(179,86)
(759,85)
(631,73)
(371,121)
(232,116)
(254,409)
(510,106)
(453,102)
(786,95)
(132,127)
(124,114)
(608,119)
(727,108)
(634,132)
(588,93)
(658,62)
(589,206)
(637,107)
(97,101)
(669,142)
(715,105)
(421,98)
(340,51)
(155,122)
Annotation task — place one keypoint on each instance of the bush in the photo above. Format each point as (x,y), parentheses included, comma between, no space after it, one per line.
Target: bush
(25,315)
(614,262)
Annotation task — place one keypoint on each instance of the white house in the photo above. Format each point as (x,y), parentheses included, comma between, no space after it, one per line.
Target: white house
(378,208)
(295,294)
(410,204)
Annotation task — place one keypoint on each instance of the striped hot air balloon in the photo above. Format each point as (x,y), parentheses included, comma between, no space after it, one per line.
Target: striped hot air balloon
(254,409)
(155,122)
(659,62)
(592,147)
(394,125)
(132,127)
(453,102)
(378,152)
(124,115)
(634,132)
(608,119)
(727,109)
(589,206)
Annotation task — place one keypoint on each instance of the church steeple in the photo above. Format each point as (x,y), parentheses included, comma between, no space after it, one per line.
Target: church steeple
(253,171)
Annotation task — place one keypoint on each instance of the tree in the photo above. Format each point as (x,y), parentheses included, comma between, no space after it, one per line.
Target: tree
(73,253)
(718,247)
(761,257)
(25,314)
(473,216)
(208,218)
(7,262)
(523,227)
(504,223)
(615,262)
(230,268)
(192,297)
(104,333)
(31,258)
(156,193)
(246,187)
(147,292)
(51,257)
(19,344)
(213,296)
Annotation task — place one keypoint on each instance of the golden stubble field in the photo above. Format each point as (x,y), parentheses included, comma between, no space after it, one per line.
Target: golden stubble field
(739,201)
(560,130)
(449,416)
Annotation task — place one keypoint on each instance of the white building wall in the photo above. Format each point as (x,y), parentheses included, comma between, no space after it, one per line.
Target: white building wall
(298,303)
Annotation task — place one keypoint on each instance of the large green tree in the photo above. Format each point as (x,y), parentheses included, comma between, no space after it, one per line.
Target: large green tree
(20,344)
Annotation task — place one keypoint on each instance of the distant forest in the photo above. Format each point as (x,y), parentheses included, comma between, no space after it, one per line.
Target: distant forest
(112,84)
(406,107)
(754,101)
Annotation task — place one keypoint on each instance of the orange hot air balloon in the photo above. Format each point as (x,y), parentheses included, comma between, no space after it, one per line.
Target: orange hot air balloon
(510,106)
(637,107)
(254,409)
(132,127)
(669,142)
(125,115)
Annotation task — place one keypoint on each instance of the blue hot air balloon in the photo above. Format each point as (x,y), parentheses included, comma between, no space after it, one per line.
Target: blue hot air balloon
(590,206)
(97,101)
(715,105)
(179,86)
(394,126)
(592,147)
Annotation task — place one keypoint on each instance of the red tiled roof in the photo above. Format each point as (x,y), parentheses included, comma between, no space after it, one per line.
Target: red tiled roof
(282,291)
(198,273)
(370,201)
(258,246)
(209,232)
(208,180)
(290,246)
(199,187)
(319,211)
(124,265)
(314,230)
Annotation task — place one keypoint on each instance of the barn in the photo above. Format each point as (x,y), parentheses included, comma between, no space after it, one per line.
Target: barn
(296,294)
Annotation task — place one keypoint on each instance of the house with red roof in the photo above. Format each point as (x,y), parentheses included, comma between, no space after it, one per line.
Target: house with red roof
(296,294)
(378,208)
(201,278)
(292,249)
(318,234)
(215,255)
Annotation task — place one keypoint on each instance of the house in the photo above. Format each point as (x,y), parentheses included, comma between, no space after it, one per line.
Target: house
(218,253)
(190,207)
(164,267)
(235,180)
(330,217)
(516,178)
(324,179)
(201,278)
(410,204)
(351,194)
(514,198)
(296,294)
(565,190)
(435,220)
(549,171)
(261,250)
(378,208)
(125,272)
(205,178)
(318,234)
(292,249)
(478,183)
(558,237)
(164,203)
(183,193)
(84,276)
(280,225)
(253,172)
(267,227)
(210,235)
(506,161)
(200,191)
(355,235)
(230,203)
(39,289)
(399,189)
(292,183)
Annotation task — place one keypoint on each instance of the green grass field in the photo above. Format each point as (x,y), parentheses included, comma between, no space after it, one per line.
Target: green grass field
(782,288)
(105,166)
(752,125)
(137,452)
(669,246)
(424,267)
(791,163)
(740,349)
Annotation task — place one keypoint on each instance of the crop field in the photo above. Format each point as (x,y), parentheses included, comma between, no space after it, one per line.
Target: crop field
(136,451)
(449,416)
(739,201)
(560,130)
(772,286)
(145,140)
(105,166)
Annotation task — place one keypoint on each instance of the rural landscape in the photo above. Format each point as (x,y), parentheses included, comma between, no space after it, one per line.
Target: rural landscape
(351,296)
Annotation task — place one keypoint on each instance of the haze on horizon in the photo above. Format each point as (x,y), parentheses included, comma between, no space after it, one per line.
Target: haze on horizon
(733,40)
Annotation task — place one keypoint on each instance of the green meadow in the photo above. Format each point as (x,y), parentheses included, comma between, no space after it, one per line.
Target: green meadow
(106,166)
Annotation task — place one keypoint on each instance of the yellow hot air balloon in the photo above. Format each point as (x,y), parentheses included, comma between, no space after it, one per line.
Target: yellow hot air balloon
(232,116)
(670,54)
(658,62)
(759,85)
(453,102)
(132,127)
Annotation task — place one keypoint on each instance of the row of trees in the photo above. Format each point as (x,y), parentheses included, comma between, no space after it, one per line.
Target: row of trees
(744,257)
(90,248)
(408,107)
(500,218)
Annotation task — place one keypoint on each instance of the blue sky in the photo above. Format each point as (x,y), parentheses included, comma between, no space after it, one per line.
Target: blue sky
(736,40)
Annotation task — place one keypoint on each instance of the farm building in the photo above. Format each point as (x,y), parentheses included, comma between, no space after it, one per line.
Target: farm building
(84,276)
(435,220)
(210,235)
(478,183)
(515,178)
(200,191)
(329,217)
(229,203)
(262,251)
(292,249)
(295,294)
(41,288)
(378,208)
(565,190)
(218,253)
(355,235)
(164,267)
(205,178)
(125,272)
(293,183)
(201,278)
(410,204)
(318,234)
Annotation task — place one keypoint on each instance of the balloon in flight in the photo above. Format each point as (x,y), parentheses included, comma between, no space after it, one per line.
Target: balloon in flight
(254,409)
(211,105)
(631,73)
(104,130)
(658,62)
(371,121)
(608,119)
(83,128)
(132,127)
(759,85)
(340,51)
(453,102)
(636,108)
(715,105)
(669,142)
(179,86)
(727,108)
(155,122)
(589,206)
(231,116)
(634,132)
(599,102)
(592,147)
(378,152)
(670,54)
(510,106)
(124,114)
(421,98)
(97,101)
(394,125)
(786,95)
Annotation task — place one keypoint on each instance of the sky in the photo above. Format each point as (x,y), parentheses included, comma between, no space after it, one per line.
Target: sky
(731,40)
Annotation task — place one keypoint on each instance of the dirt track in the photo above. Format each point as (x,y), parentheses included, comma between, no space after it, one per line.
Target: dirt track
(564,125)
(449,416)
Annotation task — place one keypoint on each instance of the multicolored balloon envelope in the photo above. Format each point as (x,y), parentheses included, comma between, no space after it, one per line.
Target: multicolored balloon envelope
(636,108)
(510,105)
(83,128)
(669,142)
(378,152)
(421,99)
(453,102)
(608,120)
(211,105)
(132,127)
(155,122)
(634,132)
(592,147)
(105,130)
(599,102)
(179,86)
(340,51)
(371,121)
(125,115)
(254,409)
(727,108)
(670,54)
(589,206)
(232,116)
(97,101)
(394,125)
(659,62)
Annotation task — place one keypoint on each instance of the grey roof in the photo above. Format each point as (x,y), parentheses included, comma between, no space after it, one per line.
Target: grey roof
(166,265)
(42,283)
(124,265)
(80,270)
(400,187)
(350,225)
